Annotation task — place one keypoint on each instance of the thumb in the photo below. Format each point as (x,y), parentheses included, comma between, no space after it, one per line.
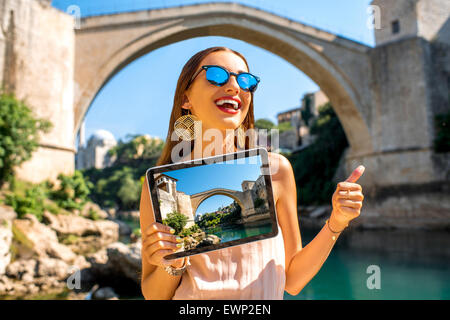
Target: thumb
(356,174)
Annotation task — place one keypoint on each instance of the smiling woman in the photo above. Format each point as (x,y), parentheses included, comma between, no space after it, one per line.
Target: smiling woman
(258,270)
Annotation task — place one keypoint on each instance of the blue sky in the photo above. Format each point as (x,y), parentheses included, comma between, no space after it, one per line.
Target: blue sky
(228,175)
(138,100)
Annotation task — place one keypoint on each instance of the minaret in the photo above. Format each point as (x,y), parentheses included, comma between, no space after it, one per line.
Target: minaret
(82,142)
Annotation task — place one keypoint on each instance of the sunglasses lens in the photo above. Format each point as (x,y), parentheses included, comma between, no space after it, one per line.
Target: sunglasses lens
(247,82)
(216,75)
(219,76)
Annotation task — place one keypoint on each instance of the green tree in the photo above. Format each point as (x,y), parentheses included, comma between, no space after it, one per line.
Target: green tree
(73,191)
(264,124)
(117,185)
(315,166)
(306,111)
(176,221)
(129,192)
(284,126)
(139,147)
(19,134)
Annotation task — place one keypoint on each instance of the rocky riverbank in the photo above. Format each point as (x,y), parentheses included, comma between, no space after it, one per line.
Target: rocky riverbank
(68,255)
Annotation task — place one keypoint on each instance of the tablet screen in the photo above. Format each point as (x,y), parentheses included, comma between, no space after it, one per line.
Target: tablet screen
(216,202)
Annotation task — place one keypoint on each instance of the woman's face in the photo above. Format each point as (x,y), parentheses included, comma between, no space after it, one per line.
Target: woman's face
(204,97)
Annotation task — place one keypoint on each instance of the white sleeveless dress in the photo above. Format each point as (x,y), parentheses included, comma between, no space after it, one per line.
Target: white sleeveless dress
(252,271)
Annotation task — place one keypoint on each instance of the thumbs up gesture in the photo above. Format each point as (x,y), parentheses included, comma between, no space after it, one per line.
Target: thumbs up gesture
(347,201)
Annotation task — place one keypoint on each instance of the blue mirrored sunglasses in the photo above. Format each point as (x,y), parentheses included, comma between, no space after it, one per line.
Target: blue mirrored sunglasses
(219,76)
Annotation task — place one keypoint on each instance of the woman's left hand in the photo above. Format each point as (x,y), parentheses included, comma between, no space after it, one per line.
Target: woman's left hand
(347,201)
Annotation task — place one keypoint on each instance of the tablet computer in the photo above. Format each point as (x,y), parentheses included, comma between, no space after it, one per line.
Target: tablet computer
(215,202)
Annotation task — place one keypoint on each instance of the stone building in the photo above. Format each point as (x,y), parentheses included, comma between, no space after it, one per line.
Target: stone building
(171,200)
(405,19)
(95,153)
(257,188)
(299,136)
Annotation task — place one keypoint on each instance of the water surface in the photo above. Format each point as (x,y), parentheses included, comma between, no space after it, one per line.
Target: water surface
(412,264)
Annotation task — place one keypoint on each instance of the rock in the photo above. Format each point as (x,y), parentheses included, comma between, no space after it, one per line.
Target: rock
(28,270)
(6,285)
(7,214)
(112,213)
(124,228)
(48,267)
(21,270)
(125,260)
(209,240)
(89,235)
(91,206)
(106,293)
(37,276)
(39,240)
(79,226)
(6,236)
(117,266)
(99,263)
(129,215)
(215,239)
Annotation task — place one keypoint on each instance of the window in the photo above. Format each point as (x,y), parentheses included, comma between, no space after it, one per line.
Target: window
(395,27)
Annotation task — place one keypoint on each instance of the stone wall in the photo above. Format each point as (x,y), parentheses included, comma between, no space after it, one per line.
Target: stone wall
(402,10)
(167,203)
(428,19)
(433,18)
(402,127)
(185,207)
(37,61)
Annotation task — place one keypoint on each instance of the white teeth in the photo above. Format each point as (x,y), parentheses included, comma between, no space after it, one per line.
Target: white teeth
(234,103)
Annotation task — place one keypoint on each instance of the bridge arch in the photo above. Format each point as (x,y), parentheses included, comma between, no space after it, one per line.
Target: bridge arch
(197,200)
(316,53)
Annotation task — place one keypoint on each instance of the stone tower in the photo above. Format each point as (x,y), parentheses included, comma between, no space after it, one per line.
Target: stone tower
(401,19)
(37,52)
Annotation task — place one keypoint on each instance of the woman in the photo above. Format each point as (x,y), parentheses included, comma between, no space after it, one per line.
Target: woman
(257,270)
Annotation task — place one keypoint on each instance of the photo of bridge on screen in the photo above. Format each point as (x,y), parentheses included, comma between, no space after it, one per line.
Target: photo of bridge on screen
(215,203)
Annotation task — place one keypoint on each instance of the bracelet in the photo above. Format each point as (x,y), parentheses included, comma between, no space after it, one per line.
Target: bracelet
(177,271)
(328,224)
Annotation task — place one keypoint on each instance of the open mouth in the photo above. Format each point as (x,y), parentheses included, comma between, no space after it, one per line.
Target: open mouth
(228,105)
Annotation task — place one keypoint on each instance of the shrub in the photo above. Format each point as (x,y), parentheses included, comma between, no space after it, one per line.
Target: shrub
(259,202)
(31,202)
(116,186)
(19,134)
(139,147)
(188,231)
(137,232)
(129,192)
(176,221)
(73,191)
(93,215)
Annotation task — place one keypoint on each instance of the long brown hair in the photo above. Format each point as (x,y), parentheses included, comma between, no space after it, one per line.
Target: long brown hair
(186,74)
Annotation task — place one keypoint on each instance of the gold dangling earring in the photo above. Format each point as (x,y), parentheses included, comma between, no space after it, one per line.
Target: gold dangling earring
(241,136)
(187,127)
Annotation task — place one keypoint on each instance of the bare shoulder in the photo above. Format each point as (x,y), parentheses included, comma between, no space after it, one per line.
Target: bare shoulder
(280,166)
(282,175)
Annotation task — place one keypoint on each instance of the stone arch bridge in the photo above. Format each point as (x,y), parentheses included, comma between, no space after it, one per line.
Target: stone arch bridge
(385,97)
(243,198)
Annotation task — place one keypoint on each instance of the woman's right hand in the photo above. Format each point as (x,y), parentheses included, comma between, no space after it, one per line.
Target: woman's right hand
(159,241)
